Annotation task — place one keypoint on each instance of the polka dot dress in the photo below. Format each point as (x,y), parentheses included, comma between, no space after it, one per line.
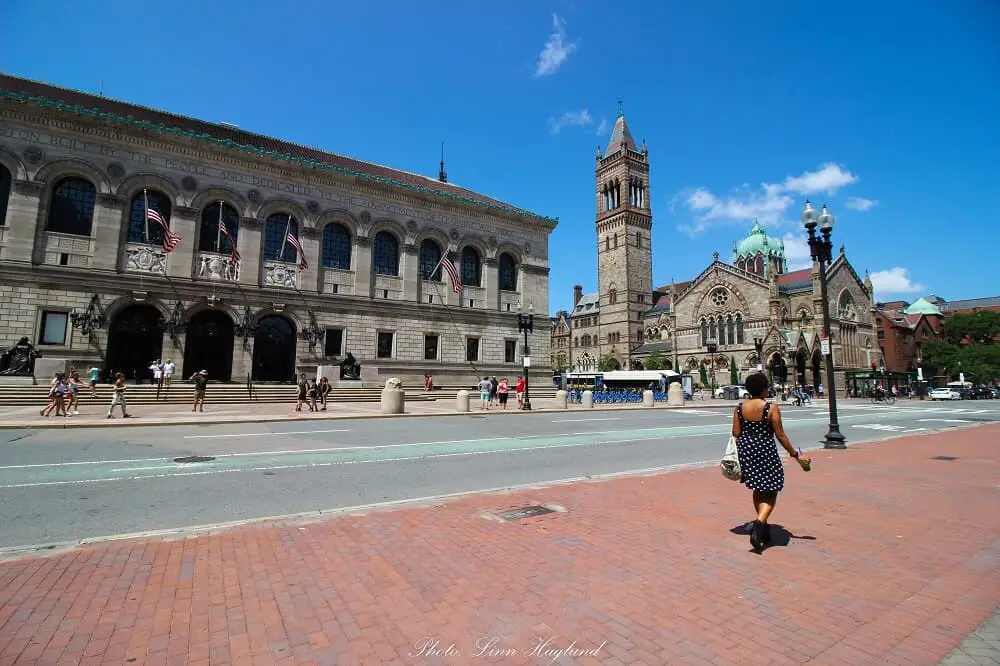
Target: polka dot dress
(758,454)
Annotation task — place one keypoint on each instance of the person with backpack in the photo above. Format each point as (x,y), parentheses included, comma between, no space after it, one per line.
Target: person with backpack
(200,380)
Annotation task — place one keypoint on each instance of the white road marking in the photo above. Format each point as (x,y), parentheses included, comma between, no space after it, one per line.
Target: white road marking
(944,420)
(261,434)
(610,418)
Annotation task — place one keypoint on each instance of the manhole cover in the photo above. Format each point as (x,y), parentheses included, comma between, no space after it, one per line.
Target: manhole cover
(478,416)
(949,458)
(194,459)
(524,512)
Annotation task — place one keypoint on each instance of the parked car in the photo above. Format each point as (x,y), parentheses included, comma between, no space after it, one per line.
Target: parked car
(944,394)
(720,392)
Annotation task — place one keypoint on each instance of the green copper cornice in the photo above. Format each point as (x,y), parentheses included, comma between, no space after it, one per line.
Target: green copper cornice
(128,120)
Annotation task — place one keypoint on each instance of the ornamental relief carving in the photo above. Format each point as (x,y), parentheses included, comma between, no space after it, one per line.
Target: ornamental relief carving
(722,296)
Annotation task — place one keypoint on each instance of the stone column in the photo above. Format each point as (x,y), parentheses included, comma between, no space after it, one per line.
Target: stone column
(362,266)
(183,261)
(22,217)
(409,270)
(107,231)
(248,243)
(491,282)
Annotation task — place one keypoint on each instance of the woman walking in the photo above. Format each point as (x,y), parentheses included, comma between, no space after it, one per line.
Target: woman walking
(503,391)
(73,385)
(756,424)
(324,391)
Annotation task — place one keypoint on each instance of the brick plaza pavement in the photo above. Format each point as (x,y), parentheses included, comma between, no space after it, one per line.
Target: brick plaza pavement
(886,555)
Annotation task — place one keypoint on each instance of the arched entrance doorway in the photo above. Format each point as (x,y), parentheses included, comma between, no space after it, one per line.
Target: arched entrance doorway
(135,340)
(274,350)
(817,368)
(779,369)
(800,367)
(208,345)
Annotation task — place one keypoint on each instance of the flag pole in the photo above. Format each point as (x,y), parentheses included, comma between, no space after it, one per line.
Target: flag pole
(284,239)
(145,205)
(218,232)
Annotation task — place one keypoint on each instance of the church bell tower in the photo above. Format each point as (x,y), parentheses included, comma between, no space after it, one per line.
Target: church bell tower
(624,249)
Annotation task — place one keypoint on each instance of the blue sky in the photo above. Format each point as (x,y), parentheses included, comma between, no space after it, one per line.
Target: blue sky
(887,111)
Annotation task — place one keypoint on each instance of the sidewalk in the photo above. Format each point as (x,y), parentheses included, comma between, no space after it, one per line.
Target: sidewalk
(885,555)
(95,415)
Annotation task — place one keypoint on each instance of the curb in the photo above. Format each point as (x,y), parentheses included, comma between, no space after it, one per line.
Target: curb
(187,421)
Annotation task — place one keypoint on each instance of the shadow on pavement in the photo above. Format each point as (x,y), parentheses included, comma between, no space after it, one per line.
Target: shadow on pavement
(779,535)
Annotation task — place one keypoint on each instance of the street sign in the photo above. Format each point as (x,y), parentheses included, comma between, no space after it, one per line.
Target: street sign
(824,345)
(527,361)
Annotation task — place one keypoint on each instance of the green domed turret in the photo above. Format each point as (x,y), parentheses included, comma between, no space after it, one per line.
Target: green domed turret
(771,251)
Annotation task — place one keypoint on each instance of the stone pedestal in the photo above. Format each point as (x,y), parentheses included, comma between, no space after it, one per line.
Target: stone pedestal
(46,368)
(560,399)
(393,397)
(647,399)
(331,372)
(675,395)
(587,401)
(462,401)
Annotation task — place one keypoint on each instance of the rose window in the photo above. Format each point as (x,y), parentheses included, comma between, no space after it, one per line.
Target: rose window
(720,297)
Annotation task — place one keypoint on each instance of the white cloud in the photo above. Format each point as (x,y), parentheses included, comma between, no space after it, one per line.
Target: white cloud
(579,118)
(861,204)
(829,178)
(796,252)
(556,50)
(602,129)
(769,202)
(894,281)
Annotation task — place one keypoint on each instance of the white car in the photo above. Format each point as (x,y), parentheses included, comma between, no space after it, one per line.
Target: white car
(944,394)
(721,391)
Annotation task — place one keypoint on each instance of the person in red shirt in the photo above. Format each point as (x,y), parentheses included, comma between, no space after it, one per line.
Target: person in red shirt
(519,389)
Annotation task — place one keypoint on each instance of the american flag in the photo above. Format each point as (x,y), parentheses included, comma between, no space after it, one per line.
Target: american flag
(456,281)
(294,242)
(170,239)
(232,242)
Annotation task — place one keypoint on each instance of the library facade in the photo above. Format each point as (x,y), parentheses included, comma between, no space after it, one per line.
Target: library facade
(277,258)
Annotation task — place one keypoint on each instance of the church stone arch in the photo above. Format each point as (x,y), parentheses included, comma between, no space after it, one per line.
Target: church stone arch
(58,169)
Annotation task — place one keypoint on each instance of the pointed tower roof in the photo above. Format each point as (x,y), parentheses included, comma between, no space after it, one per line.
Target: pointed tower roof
(922,306)
(620,135)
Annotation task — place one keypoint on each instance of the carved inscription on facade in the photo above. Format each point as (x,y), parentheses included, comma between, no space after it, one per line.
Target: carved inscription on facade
(191,168)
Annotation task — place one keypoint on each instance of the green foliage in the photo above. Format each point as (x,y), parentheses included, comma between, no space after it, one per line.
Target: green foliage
(559,365)
(980,362)
(978,327)
(655,361)
(703,374)
(734,373)
(608,364)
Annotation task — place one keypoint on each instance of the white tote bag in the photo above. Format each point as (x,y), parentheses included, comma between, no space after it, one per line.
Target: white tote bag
(731,461)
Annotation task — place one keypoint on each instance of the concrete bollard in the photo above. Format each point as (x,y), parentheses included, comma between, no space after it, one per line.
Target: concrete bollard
(393,397)
(462,401)
(560,399)
(675,395)
(587,402)
(647,399)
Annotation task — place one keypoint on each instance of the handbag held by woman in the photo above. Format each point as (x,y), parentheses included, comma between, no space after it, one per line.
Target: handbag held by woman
(730,463)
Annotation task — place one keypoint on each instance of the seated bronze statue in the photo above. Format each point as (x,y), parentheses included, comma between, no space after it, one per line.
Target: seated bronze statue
(19,360)
(350,368)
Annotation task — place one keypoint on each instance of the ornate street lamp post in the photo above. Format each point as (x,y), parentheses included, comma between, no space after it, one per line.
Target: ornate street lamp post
(91,319)
(758,344)
(526,324)
(312,334)
(820,248)
(713,347)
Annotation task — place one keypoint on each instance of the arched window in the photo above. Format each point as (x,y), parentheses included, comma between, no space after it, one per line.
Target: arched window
(137,223)
(430,260)
(759,268)
(704,332)
(741,263)
(336,247)
(722,331)
(220,227)
(731,330)
(607,243)
(576,342)
(612,296)
(386,254)
(72,207)
(508,273)
(713,333)
(276,229)
(5,179)
(739,329)
(471,267)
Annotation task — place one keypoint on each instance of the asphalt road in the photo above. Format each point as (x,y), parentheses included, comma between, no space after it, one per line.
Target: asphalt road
(64,485)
